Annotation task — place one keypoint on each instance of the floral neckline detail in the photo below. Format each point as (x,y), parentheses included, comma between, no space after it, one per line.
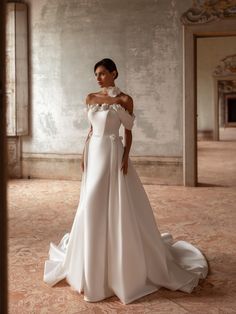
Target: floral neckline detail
(105,106)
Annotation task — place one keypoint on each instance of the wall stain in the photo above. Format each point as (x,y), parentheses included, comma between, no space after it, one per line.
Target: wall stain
(48,124)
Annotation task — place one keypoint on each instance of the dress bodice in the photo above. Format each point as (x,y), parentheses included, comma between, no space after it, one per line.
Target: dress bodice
(106,119)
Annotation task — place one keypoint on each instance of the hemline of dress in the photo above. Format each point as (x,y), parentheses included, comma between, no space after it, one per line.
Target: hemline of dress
(124,302)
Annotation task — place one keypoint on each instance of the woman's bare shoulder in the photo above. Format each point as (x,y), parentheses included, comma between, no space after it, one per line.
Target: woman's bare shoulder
(90,97)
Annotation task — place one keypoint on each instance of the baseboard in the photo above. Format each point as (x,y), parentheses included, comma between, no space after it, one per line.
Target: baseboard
(206,135)
(151,170)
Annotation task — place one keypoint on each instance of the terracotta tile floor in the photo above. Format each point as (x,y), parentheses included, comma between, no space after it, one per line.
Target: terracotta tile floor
(41,211)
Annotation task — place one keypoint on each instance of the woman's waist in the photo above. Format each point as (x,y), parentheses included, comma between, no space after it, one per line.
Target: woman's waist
(112,136)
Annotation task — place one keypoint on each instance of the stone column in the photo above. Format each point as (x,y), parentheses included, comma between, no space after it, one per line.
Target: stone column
(16,83)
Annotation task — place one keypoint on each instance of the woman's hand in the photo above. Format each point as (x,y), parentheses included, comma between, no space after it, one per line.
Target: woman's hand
(124,163)
(82,163)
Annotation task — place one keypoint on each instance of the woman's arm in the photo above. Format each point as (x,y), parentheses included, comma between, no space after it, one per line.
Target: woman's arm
(88,136)
(128,102)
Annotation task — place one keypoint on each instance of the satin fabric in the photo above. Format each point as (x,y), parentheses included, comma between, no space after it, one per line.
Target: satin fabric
(114,246)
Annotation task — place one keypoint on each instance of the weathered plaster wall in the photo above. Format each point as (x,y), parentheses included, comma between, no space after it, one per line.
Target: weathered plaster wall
(67,38)
(209,53)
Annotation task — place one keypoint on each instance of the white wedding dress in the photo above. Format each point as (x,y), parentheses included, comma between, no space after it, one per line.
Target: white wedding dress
(114,246)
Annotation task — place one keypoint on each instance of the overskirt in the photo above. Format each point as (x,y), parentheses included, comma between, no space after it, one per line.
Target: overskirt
(114,246)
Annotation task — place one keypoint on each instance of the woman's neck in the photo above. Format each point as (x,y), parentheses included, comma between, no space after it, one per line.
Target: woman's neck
(111,91)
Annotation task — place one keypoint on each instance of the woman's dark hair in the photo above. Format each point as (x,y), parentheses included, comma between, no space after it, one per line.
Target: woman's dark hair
(108,64)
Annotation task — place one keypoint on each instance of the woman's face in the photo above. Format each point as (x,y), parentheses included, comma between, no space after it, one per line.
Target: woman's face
(104,77)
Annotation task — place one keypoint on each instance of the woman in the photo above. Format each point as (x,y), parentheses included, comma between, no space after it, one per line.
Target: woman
(115,247)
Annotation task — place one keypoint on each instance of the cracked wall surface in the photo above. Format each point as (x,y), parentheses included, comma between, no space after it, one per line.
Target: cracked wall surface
(67,38)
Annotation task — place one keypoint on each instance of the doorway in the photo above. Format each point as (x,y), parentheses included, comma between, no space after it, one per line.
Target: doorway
(216,110)
(221,28)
